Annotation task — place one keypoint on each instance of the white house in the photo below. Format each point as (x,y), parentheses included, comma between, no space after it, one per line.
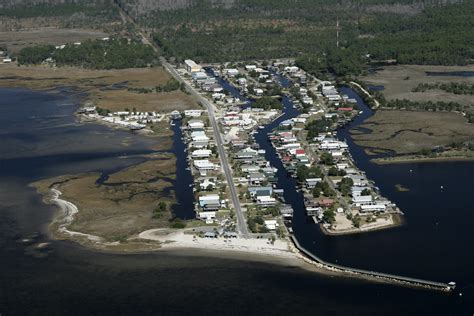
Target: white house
(210,201)
(201,153)
(191,66)
(196,124)
(271,224)
(207,216)
(373,208)
(204,165)
(359,200)
(258,92)
(193,113)
(266,201)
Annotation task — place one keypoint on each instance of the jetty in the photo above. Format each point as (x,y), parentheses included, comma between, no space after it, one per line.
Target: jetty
(392,278)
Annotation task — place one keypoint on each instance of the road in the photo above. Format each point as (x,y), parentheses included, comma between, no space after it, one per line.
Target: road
(241,222)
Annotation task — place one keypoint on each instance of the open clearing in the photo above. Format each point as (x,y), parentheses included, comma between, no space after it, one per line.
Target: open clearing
(407,132)
(105,88)
(121,206)
(15,41)
(401,79)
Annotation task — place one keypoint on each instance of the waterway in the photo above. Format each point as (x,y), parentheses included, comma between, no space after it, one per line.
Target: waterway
(40,138)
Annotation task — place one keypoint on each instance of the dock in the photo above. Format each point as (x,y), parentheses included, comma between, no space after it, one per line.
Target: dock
(392,278)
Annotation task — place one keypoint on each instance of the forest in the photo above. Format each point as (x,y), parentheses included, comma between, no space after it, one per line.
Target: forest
(425,32)
(94,54)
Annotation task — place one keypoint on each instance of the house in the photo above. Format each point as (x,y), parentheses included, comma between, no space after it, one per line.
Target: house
(207,183)
(232,72)
(207,216)
(357,191)
(196,124)
(7,60)
(359,200)
(358,180)
(247,168)
(256,178)
(326,202)
(311,182)
(373,208)
(246,153)
(201,153)
(193,113)
(191,66)
(260,191)
(271,224)
(258,92)
(266,201)
(209,202)
(250,67)
(204,165)
(175,115)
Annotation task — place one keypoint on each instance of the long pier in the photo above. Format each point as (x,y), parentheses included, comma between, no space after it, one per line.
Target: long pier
(393,278)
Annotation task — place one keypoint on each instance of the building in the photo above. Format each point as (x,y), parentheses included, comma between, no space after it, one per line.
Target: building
(373,208)
(204,165)
(201,153)
(207,216)
(359,200)
(193,113)
(256,178)
(266,201)
(260,191)
(191,66)
(209,202)
(271,224)
(311,182)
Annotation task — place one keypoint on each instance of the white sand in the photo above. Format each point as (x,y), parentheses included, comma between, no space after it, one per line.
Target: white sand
(178,239)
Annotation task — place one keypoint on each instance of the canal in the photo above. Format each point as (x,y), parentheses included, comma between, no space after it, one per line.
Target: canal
(430,244)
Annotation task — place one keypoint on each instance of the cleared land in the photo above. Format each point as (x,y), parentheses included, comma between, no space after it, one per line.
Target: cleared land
(105,88)
(15,41)
(121,206)
(401,79)
(405,132)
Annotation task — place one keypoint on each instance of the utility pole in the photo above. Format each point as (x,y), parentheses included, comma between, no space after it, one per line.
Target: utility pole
(337,33)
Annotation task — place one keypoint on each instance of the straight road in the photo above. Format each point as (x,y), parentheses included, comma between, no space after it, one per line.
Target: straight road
(241,222)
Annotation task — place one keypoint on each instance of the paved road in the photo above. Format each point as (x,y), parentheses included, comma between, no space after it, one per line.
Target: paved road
(241,222)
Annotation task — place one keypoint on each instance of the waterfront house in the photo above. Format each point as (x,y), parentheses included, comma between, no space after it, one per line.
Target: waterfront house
(265,201)
(359,200)
(373,208)
(256,178)
(311,182)
(248,168)
(209,202)
(260,191)
(201,153)
(246,153)
(359,180)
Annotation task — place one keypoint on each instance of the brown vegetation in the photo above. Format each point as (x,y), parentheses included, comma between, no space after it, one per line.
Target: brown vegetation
(121,206)
(105,88)
(411,131)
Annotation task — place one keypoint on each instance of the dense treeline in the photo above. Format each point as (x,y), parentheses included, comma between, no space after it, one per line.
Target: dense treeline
(451,87)
(267,103)
(424,105)
(171,85)
(421,32)
(95,54)
(91,8)
(35,54)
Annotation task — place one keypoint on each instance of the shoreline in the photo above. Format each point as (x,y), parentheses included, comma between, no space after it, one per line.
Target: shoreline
(397,221)
(400,160)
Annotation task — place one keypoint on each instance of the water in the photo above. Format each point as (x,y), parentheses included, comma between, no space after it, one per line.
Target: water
(40,138)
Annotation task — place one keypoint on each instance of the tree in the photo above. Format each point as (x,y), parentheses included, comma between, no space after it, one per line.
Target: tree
(365,192)
(326,158)
(345,186)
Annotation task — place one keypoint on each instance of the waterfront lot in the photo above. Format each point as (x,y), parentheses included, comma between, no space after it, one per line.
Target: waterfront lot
(399,81)
(106,88)
(411,131)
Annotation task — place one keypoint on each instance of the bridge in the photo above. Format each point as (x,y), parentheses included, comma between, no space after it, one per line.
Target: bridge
(392,278)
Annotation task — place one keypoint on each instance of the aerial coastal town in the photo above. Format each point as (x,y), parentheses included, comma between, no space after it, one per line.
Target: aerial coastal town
(236,187)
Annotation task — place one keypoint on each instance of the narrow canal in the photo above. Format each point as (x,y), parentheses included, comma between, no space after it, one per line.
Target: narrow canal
(430,245)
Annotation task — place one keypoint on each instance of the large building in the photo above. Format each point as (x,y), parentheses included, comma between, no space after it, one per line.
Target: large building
(191,66)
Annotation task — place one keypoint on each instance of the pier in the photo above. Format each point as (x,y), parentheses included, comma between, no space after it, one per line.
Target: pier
(392,278)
